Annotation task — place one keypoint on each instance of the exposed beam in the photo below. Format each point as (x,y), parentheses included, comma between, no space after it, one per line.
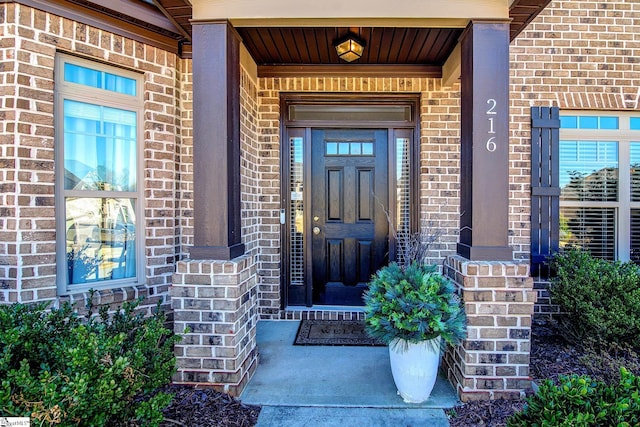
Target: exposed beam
(237,11)
(347,22)
(349,70)
(451,68)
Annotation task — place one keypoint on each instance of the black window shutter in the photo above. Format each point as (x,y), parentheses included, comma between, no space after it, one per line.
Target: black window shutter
(545,187)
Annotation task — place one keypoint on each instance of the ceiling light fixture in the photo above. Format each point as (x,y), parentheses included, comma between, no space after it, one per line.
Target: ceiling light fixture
(349,48)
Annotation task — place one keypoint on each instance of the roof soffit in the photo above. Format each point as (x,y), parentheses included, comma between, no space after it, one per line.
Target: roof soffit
(173,18)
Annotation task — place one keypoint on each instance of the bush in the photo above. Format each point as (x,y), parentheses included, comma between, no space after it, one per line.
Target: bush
(63,370)
(600,299)
(580,401)
(414,303)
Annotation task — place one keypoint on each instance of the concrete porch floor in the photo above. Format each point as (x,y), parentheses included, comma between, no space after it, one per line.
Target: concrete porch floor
(294,380)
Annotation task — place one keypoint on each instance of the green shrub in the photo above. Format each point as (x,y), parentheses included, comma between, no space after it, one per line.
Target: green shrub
(600,298)
(63,370)
(579,401)
(414,303)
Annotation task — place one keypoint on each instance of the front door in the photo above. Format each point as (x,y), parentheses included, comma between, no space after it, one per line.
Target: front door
(349,212)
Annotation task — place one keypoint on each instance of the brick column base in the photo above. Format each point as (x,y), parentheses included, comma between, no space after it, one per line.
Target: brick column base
(217,302)
(493,363)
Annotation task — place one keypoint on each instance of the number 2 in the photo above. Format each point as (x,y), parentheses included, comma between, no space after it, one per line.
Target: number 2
(493,104)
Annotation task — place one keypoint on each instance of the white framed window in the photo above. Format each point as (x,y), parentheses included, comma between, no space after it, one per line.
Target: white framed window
(600,183)
(98,123)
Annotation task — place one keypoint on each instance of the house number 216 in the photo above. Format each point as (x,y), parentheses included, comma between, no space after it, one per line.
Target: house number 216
(491,142)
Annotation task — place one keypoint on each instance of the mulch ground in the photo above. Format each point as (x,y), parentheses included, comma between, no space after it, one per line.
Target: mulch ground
(192,407)
(551,356)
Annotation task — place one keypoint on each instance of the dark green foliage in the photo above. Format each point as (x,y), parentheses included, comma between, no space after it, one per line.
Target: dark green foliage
(414,303)
(63,370)
(579,401)
(601,298)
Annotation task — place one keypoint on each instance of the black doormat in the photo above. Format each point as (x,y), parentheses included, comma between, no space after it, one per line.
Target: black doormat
(334,332)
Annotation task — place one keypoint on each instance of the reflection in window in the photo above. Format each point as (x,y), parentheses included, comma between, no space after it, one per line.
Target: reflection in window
(593,229)
(589,122)
(99,79)
(99,147)
(100,239)
(98,165)
(600,183)
(99,155)
(589,170)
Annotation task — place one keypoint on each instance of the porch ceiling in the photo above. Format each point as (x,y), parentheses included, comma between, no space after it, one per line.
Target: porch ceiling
(167,24)
(384,46)
(314,45)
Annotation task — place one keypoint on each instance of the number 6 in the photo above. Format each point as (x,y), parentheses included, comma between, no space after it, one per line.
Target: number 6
(491,144)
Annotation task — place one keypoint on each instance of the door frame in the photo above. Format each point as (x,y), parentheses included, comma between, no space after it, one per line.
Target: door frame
(407,128)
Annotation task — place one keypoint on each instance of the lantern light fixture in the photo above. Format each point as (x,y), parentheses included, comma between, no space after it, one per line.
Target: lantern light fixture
(349,48)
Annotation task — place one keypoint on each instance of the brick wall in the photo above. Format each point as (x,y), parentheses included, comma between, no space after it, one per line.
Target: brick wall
(577,55)
(30,40)
(580,55)
(493,362)
(215,311)
(253,213)
(184,164)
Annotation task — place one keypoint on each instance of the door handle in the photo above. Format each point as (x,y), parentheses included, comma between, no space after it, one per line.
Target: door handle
(316,230)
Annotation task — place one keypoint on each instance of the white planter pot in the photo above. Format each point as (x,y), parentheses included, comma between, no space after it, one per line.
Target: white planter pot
(415,368)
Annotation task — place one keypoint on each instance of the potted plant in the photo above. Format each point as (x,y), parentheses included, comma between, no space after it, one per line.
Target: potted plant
(415,310)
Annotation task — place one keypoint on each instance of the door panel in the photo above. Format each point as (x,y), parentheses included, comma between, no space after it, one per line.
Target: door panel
(365,195)
(364,260)
(335,195)
(349,188)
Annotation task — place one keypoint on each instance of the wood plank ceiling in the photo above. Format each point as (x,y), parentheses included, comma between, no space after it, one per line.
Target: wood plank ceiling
(314,46)
(419,46)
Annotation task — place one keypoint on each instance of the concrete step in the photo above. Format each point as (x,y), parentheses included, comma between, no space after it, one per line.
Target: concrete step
(303,416)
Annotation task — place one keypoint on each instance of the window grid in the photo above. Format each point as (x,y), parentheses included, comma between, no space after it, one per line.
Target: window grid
(600,183)
(98,115)
(349,148)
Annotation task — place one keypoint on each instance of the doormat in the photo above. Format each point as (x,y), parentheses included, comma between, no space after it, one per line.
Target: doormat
(334,332)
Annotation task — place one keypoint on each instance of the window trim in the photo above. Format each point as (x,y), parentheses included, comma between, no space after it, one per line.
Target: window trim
(64,90)
(623,136)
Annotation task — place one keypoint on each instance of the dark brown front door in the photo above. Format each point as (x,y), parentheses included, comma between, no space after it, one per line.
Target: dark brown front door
(349,193)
